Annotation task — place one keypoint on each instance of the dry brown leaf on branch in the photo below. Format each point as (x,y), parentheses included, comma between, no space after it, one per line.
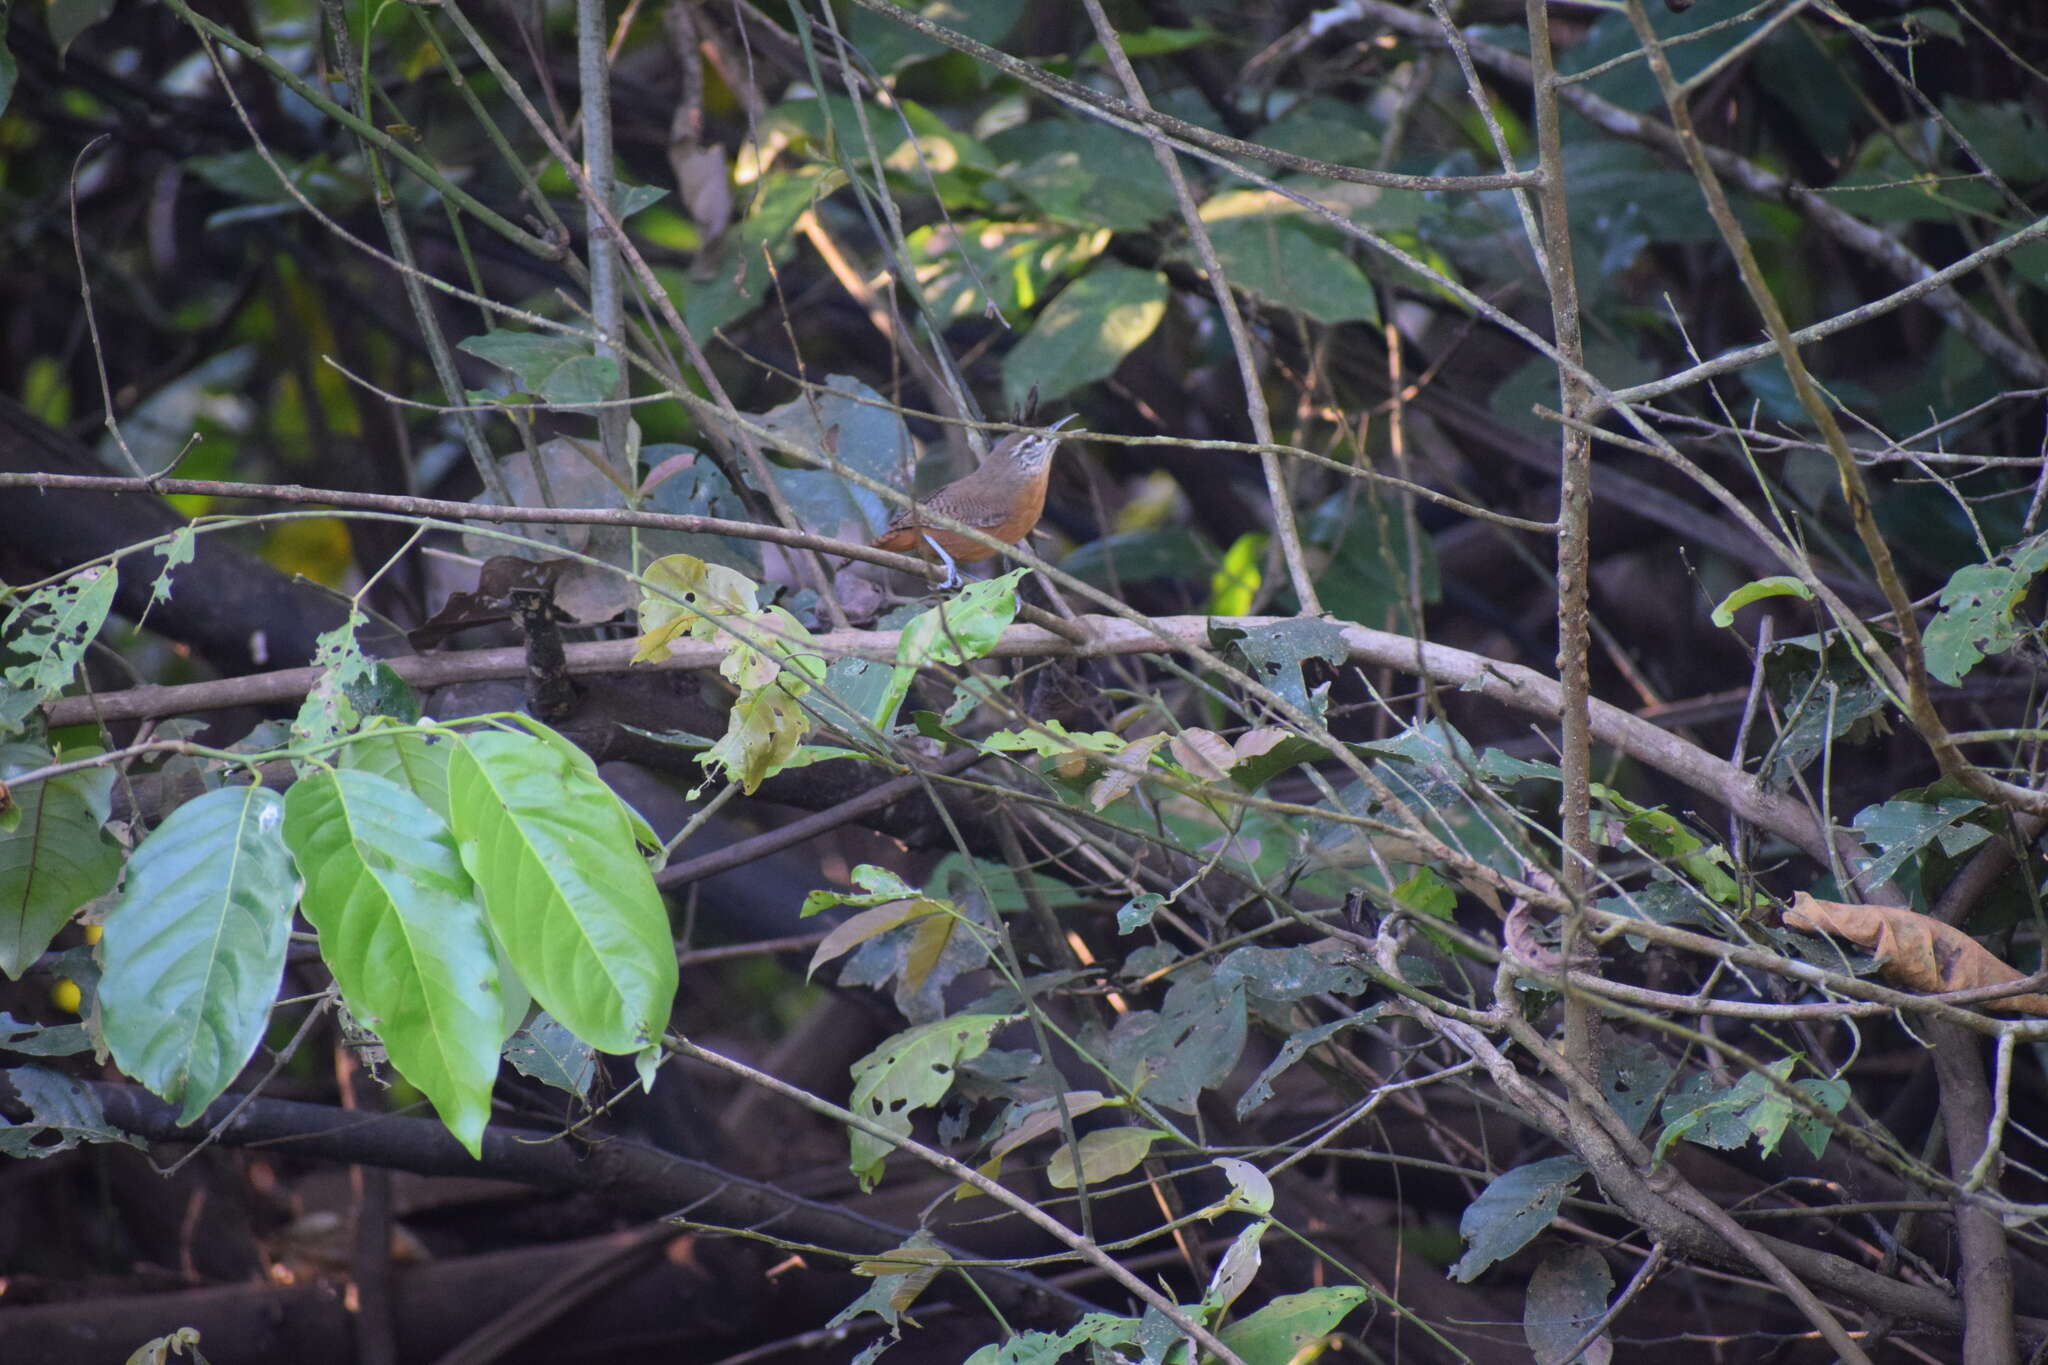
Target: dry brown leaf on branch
(1916,952)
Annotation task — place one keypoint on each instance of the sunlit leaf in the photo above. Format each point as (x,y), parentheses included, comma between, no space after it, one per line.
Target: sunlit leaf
(403,931)
(553,852)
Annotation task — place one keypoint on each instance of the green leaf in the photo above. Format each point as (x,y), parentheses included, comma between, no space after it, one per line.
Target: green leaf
(41,1040)
(1293,1050)
(1633,1075)
(1902,828)
(911,1071)
(1277,1333)
(1287,266)
(965,626)
(337,702)
(175,551)
(402,930)
(1235,584)
(1044,1348)
(892,46)
(1085,333)
(1975,616)
(69,19)
(62,1114)
(55,858)
(194,949)
(415,761)
(970,267)
(561,369)
(551,1055)
(1277,651)
(1085,172)
(8,71)
(1104,1154)
(569,896)
(1567,1297)
(1777,585)
(1188,1046)
(50,629)
(1509,1213)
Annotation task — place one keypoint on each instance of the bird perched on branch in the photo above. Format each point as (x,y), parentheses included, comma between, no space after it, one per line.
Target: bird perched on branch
(1002,499)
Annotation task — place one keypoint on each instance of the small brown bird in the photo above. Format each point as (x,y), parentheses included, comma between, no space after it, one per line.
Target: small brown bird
(1003,499)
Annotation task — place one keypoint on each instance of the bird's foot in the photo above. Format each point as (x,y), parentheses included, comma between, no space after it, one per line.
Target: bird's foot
(952,579)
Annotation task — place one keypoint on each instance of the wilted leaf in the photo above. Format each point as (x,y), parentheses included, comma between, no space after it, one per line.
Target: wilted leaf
(1045,1119)
(1915,952)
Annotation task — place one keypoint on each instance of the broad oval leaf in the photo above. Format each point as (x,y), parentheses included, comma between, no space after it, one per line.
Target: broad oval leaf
(402,929)
(1566,1300)
(1104,1154)
(1509,1213)
(552,850)
(55,858)
(1085,333)
(194,949)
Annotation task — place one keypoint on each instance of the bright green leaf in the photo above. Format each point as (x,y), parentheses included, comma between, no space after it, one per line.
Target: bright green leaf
(402,930)
(1277,1333)
(964,626)
(1975,617)
(553,852)
(1777,585)
(50,629)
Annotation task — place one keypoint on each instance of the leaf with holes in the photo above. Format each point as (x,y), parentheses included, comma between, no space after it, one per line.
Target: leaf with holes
(49,629)
(911,1071)
(1509,1213)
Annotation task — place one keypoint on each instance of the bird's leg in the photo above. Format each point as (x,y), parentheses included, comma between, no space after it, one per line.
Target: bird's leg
(952,579)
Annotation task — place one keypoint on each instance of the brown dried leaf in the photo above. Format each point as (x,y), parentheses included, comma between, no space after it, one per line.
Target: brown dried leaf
(1204,753)
(1918,953)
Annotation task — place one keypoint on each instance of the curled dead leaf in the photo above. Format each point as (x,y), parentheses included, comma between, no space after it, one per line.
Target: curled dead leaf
(1916,952)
